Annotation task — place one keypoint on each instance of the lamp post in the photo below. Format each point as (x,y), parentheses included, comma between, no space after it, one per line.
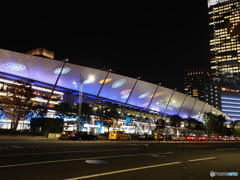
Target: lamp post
(80,101)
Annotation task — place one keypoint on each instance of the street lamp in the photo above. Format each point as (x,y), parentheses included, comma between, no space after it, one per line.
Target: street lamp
(80,101)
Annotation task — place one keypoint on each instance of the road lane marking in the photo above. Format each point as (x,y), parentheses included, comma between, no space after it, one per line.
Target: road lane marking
(79,159)
(225,149)
(202,159)
(133,149)
(135,169)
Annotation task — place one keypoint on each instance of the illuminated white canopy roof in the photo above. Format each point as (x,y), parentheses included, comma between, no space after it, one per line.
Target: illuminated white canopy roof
(107,85)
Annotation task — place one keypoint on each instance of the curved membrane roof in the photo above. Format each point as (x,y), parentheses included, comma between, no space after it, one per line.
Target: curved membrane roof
(105,84)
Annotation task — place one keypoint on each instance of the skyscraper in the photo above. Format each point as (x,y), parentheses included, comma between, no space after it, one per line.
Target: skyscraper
(224,27)
(194,79)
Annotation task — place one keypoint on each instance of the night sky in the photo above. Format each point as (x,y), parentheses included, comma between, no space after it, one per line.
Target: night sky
(153,41)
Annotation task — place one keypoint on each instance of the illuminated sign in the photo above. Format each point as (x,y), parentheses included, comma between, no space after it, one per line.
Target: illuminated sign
(128,127)
(128,120)
(91,125)
(160,123)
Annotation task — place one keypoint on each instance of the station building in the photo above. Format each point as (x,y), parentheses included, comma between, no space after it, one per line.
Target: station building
(139,98)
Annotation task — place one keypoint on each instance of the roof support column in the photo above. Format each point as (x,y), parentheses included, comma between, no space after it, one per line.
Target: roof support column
(192,107)
(182,105)
(153,97)
(201,111)
(49,97)
(108,71)
(123,109)
(164,115)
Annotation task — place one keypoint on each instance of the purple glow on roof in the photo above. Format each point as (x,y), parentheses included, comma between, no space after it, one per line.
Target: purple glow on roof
(124,89)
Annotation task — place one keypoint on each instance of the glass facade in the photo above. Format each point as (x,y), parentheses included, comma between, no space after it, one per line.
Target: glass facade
(231,104)
(224,24)
(224,38)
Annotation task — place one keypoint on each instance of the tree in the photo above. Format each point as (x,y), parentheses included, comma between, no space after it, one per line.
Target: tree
(214,123)
(63,110)
(175,121)
(108,115)
(235,128)
(17,103)
(86,111)
(194,124)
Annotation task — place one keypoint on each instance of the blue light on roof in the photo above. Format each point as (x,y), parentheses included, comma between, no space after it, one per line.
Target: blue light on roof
(118,83)
(89,80)
(14,66)
(64,71)
(143,95)
(125,96)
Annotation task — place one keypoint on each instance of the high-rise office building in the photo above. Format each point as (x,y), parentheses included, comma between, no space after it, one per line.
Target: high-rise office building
(194,79)
(224,25)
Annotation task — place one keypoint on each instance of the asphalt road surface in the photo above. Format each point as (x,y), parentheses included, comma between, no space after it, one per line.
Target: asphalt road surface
(52,159)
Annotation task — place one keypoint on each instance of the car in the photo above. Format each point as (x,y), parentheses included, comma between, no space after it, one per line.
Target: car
(232,139)
(146,137)
(201,138)
(178,138)
(213,138)
(161,137)
(119,135)
(190,138)
(82,135)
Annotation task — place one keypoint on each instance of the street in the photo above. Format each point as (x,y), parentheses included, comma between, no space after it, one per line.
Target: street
(52,159)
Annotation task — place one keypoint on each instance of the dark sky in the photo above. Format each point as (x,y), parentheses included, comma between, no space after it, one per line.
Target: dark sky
(153,41)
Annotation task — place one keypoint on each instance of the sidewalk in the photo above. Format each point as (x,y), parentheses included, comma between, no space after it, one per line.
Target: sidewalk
(24,137)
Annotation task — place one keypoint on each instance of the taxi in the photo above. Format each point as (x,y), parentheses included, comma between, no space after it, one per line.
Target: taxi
(119,135)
